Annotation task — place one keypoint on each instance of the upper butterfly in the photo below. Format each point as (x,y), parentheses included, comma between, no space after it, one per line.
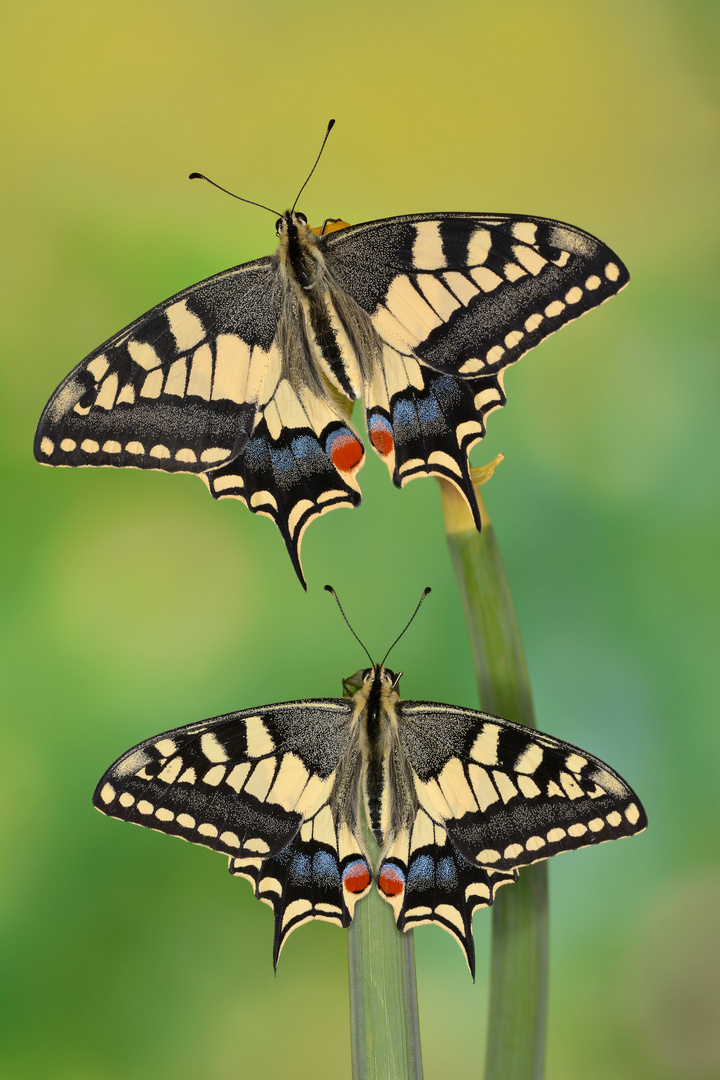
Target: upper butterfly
(248,378)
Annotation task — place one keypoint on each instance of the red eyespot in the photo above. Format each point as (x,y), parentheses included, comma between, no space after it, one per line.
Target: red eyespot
(356,877)
(345,451)
(391,880)
(381,434)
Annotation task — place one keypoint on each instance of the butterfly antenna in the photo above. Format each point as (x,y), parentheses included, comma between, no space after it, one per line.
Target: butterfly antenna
(408,623)
(329,588)
(201,176)
(329,129)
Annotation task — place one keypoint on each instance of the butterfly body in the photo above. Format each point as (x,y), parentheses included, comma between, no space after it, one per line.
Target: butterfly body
(247,379)
(457,801)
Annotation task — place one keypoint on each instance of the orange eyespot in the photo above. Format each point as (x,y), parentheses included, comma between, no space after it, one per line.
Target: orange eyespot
(356,877)
(346,452)
(391,880)
(381,435)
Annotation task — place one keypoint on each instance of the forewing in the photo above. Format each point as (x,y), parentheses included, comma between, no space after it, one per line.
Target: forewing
(470,293)
(321,874)
(426,880)
(177,390)
(242,784)
(464,295)
(509,795)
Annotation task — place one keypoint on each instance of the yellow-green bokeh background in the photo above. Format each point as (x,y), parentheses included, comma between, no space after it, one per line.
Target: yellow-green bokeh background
(134,603)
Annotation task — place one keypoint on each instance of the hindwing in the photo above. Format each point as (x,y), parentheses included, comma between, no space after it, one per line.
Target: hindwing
(247,378)
(321,874)
(426,880)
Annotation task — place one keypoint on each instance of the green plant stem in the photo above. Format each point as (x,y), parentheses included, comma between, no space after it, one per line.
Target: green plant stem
(384,1026)
(518,983)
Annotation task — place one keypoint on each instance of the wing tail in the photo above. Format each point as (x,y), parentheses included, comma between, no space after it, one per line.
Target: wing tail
(425,880)
(424,423)
(320,875)
(300,462)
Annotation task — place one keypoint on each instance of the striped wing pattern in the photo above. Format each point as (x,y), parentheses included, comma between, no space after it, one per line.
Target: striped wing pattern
(242,784)
(507,795)
(456,299)
(443,303)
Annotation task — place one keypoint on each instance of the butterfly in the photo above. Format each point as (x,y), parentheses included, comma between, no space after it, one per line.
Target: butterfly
(457,801)
(248,378)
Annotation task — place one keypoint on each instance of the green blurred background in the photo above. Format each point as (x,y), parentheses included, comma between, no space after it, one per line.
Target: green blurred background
(135,603)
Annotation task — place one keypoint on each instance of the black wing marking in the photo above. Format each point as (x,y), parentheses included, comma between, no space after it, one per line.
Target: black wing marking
(177,389)
(508,795)
(465,295)
(426,880)
(242,784)
(449,288)
(321,874)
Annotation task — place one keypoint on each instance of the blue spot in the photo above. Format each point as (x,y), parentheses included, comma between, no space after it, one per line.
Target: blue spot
(325,869)
(301,870)
(404,417)
(257,455)
(378,422)
(429,411)
(307,450)
(339,433)
(447,874)
(421,872)
(447,389)
(283,464)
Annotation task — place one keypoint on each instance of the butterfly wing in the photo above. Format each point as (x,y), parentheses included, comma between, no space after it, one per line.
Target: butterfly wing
(426,880)
(508,795)
(177,389)
(255,785)
(456,299)
(198,385)
(242,784)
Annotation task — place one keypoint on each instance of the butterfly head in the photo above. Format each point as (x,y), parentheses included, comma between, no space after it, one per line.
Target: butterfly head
(292,223)
(376,681)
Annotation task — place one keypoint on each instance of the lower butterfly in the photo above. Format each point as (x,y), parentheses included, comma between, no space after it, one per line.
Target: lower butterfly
(247,379)
(457,800)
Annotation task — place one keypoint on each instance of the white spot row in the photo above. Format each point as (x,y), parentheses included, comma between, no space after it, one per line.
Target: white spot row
(90,446)
(206,829)
(554,309)
(556,835)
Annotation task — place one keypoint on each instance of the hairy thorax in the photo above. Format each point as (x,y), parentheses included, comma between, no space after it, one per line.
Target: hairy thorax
(326,339)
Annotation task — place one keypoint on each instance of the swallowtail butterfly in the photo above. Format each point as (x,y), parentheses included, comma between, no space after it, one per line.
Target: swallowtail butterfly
(248,378)
(457,800)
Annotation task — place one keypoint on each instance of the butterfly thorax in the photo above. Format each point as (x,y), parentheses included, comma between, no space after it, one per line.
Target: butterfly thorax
(325,338)
(298,249)
(388,799)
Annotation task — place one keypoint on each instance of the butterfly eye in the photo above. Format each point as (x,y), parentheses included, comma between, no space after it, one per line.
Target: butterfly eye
(279,224)
(301,217)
